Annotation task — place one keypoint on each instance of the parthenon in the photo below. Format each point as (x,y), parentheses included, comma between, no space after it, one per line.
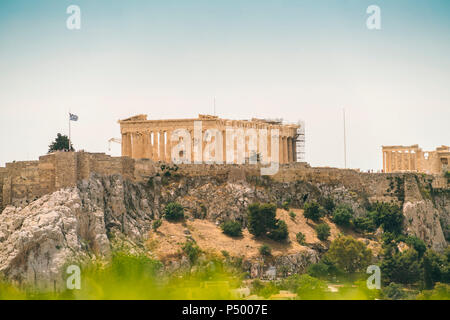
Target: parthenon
(155,139)
(414,159)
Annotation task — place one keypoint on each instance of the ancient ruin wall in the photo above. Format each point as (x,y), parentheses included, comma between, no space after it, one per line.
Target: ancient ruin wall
(25,181)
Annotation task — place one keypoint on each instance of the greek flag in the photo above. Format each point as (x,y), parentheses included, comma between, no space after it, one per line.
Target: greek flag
(73,117)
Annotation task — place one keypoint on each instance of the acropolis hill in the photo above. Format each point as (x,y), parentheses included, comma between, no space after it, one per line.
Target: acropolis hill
(24,181)
(67,205)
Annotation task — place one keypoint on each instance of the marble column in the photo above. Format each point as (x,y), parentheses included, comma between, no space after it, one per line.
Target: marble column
(280,147)
(294,150)
(289,147)
(224,146)
(155,155)
(161,145)
(168,147)
(126,144)
(146,145)
(192,146)
(388,161)
(134,145)
(285,154)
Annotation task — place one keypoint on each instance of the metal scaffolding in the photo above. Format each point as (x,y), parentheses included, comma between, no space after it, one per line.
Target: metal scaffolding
(300,142)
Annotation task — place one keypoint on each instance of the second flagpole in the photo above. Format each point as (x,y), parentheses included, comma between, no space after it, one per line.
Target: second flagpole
(69,133)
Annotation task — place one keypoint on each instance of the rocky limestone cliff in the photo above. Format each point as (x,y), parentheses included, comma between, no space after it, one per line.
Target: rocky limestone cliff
(37,241)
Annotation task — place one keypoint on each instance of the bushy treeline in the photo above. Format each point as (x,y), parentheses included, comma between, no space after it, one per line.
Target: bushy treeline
(380,214)
(416,265)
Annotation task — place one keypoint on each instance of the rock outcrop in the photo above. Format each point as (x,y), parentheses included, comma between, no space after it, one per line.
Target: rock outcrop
(37,241)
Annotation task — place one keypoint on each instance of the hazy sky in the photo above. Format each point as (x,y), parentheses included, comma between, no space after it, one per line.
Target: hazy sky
(168,59)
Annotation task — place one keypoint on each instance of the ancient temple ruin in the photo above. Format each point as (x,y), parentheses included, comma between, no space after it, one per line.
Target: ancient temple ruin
(414,159)
(228,141)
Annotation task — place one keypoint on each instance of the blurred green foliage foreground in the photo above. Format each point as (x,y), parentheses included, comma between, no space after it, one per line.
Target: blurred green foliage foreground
(131,276)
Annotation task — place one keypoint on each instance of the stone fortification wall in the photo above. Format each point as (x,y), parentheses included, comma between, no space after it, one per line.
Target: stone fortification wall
(24,181)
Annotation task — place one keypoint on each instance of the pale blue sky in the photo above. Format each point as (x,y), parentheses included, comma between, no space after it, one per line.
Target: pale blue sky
(291,59)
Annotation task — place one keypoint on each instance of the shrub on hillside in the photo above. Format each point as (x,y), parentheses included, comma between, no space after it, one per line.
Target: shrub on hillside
(232,228)
(364,224)
(313,211)
(300,238)
(280,232)
(174,211)
(388,216)
(156,224)
(329,205)
(323,231)
(265,250)
(191,250)
(261,218)
(262,222)
(342,215)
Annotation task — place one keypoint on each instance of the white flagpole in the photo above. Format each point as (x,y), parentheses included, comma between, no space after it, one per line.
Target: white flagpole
(69,131)
(345,143)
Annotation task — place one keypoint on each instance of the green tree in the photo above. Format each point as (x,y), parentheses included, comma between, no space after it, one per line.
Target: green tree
(436,268)
(174,211)
(417,244)
(323,231)
(261,218)
(342,215)
(280,232)
(329,205)
(262,222)
(232,228)
(400,267)
(313,211)
(389,217)
(349,254)
(61,143)
(364,224)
